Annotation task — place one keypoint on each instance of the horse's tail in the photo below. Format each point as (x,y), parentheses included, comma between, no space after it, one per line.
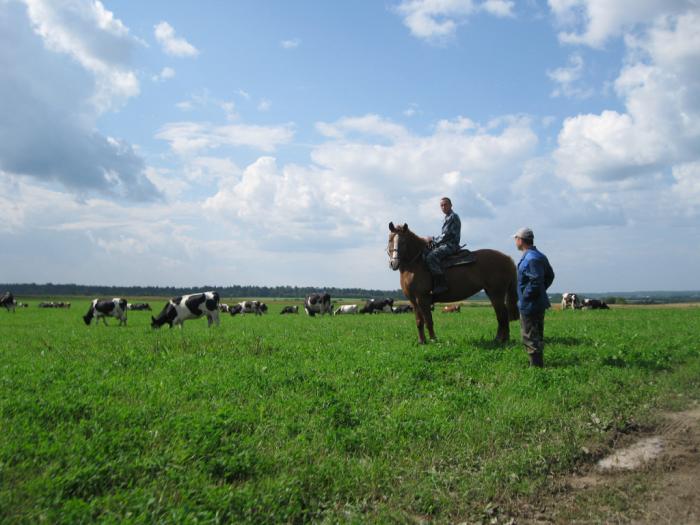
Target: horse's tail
(512,296)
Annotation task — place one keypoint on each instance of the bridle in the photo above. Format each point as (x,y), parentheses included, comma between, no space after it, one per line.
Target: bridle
(395,257)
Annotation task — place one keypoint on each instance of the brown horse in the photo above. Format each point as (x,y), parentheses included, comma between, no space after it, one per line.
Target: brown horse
(492,271)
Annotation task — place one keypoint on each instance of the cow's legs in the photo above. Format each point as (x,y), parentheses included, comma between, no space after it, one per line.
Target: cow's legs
(104,320)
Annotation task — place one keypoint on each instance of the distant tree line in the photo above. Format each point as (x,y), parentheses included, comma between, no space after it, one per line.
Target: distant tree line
(60,290)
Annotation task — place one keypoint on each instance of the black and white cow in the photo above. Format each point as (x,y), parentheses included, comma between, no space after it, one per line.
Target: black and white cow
(101,309)
(402,309)
(377,305)
(8,301)
(193,306)
(248,307)
(594,304)
(138,307)
(346,309)
(290,310)
(318,303)
(570,300)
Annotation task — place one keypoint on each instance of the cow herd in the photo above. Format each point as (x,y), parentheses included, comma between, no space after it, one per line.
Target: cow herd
(207,304)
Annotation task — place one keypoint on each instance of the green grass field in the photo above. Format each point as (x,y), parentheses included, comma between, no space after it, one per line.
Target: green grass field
(295,419)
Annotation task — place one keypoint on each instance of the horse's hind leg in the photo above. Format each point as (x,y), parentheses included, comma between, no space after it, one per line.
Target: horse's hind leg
(498,301)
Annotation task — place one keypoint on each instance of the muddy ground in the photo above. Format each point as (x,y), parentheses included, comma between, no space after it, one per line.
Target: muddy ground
(651,477)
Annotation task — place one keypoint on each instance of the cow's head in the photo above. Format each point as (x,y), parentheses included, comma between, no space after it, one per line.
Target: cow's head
(167,315)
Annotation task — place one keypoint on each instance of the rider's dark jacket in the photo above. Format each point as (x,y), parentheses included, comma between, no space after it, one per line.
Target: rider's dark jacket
(449,236)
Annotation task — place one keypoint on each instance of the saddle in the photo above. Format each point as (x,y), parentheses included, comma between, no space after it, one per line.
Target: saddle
(461,258)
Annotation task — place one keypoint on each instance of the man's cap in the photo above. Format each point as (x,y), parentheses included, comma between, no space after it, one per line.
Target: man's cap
(525,234)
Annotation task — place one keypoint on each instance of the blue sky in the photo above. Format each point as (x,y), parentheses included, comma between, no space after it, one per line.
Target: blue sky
(270,143)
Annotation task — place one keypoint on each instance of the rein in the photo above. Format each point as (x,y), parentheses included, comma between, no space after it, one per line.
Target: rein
(414,259)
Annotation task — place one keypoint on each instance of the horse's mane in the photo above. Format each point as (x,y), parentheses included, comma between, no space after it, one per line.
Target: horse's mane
(411,236)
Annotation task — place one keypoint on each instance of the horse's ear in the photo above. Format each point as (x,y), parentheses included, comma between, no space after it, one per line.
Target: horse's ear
(405,227)
(392,228)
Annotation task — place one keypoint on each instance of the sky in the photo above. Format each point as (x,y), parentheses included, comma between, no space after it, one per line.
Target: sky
(270,143)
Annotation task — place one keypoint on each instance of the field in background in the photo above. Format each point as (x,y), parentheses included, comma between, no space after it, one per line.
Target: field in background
(288,418)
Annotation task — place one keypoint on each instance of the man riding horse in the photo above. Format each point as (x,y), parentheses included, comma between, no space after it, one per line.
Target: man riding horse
(444,245)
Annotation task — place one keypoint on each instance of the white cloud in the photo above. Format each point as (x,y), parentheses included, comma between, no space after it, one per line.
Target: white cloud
(292,43)
(188,138)
(501,8)
(567,78)
(243,94)
(411,110)
(593,22)
(355,186)
(685,192)
(172,45)
(367,125)
(437,20)
(165,74)
(660,127)
(264,105)
(49,130)
(91,35)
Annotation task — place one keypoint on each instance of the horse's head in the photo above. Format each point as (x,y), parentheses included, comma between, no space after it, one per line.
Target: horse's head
(396,248)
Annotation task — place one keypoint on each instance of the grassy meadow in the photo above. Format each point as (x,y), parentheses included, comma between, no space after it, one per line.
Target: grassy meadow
(279,419)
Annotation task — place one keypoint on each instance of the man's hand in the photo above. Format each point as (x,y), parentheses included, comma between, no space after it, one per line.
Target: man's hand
(429,239)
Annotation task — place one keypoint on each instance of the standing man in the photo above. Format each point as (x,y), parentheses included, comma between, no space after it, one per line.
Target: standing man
(535,275)
(443,245)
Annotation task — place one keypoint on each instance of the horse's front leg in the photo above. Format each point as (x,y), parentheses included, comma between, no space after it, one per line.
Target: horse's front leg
(419,323)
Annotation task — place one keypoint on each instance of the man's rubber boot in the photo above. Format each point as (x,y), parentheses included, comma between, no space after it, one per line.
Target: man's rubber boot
(537,360)
(439,284)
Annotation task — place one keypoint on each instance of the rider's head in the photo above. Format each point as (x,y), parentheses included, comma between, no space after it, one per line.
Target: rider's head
(446,205)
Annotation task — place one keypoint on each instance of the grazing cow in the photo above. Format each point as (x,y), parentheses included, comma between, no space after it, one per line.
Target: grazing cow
(54,304)
(139,307)
(346,309)
(193,306)
(402,309)
(101,309)
(378,305)
(224,308)
(290,310)
(452,309)
(318,303)
(594,304)
(8,301)
(248,307)
(570,300)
